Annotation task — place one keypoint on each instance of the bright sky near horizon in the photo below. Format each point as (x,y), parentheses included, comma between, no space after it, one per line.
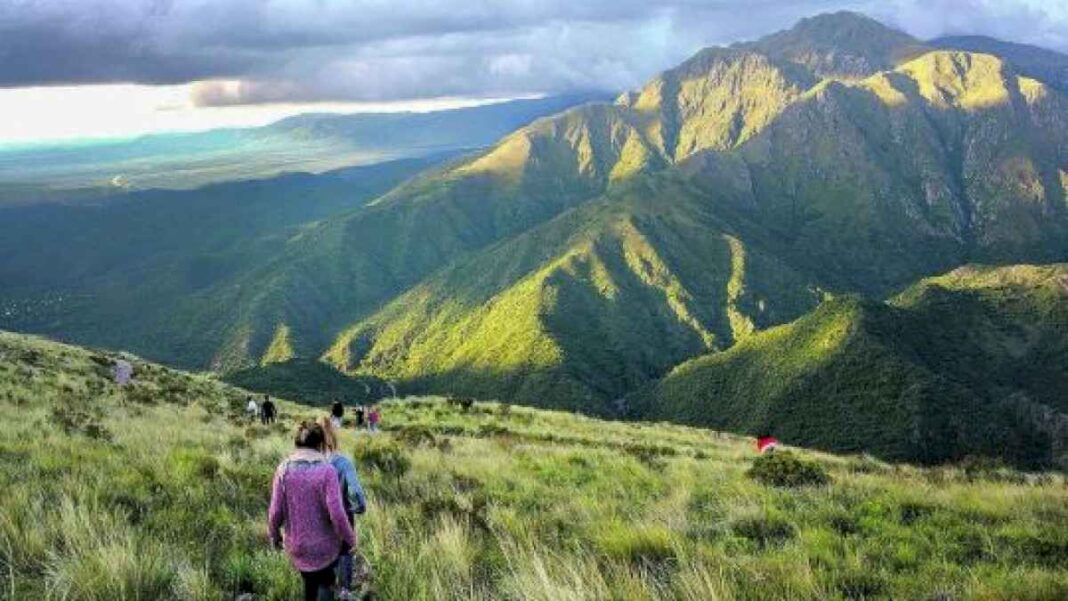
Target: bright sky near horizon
(104,68)
(48,114)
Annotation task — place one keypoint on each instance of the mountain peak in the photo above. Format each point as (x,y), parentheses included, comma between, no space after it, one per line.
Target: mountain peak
(840,44)
(964,79)
(1045,65)
(842,20)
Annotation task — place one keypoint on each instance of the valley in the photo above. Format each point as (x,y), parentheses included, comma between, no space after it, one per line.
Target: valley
(591,258)
(66,171)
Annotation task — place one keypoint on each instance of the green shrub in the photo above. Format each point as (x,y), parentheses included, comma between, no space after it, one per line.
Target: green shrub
(77,419)
(645,546)
(416,435)
(464,403)
(194,465)
(377,453)
(443,445)
(466,484)
(844,524)
(866,464)
(266,574)
(787,470)
(469,511)
(257,431)
(141,394)
(120,569)
(860,585)
(989,469)
(651,455)
(195,585)
(912,512)
(493,429)
(765,531)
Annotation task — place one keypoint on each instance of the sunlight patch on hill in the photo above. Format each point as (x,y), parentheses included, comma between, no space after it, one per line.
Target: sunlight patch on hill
(281,347)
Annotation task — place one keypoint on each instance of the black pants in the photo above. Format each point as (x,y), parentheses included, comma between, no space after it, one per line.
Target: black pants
(320,582)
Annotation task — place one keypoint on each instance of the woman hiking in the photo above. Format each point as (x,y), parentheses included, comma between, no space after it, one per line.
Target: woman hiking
(337,412)
(352,495)
(306,499)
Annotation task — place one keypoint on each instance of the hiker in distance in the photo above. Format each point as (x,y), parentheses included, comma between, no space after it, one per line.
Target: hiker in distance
(267,411)
(352,496)
(361,412)
(337,411)
(251,409)
(373,417)
(307,501)
(122,372)
(766,444)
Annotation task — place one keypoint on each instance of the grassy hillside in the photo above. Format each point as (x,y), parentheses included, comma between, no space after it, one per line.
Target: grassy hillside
(159,492)
(971,363)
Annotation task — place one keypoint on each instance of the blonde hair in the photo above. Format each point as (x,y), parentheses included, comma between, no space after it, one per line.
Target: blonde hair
(329,432)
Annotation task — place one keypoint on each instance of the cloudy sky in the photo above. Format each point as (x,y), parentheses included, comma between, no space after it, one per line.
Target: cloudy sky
(73,68)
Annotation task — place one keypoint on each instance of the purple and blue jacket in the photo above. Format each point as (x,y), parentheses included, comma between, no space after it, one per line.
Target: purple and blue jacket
(306,499)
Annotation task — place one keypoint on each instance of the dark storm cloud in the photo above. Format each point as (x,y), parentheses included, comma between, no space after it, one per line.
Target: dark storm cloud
(384,50)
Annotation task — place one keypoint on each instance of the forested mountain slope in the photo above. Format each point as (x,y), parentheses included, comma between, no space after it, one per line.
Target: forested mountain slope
(969,363)
(857,186)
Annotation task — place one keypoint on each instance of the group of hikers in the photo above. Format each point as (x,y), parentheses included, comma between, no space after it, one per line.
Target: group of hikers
(366,417)
(316,496)
(266,411)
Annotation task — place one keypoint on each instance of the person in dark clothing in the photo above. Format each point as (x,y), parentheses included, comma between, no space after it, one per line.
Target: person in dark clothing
(318,584)
(360,413)
(337,411)
(267,411)
(353,497)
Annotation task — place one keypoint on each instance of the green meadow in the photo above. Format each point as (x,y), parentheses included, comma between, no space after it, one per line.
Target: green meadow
(159,491)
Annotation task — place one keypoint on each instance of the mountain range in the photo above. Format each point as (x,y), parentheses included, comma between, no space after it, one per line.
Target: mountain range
(809,175)
(729,194)
(64,171)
